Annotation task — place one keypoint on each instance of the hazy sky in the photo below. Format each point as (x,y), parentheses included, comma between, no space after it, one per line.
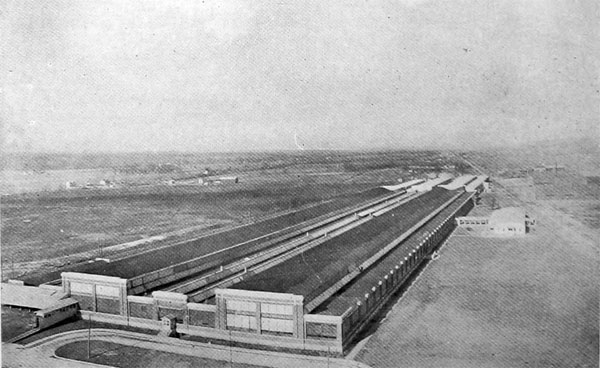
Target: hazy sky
(251,75)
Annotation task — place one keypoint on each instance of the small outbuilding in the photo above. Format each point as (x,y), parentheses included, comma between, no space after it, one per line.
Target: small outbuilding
(505,221)
(228,179)
(509,221)
(70,185)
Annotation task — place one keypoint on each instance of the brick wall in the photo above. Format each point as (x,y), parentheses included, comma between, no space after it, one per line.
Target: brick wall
(86,302)
(108,305)
(321,330)
(141,310)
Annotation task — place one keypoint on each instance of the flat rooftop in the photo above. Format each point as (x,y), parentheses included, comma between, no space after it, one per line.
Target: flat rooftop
(355,291)
(314,271)
(29,296)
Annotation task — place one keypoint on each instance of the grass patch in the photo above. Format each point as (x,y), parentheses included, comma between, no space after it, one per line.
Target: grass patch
(243,345)
(15,321)
(117,355)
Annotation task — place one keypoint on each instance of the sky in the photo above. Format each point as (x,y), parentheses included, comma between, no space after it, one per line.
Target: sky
(156,75)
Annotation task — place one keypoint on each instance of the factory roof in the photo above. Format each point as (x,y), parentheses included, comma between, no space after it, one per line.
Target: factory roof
(312,272)
(29,296)
(429,184)
(403,185)
(461,181)
(472,186)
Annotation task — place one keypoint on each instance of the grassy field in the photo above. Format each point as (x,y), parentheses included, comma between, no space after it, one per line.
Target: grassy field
(117,355)
(15,321)
(49,231)
(490,302)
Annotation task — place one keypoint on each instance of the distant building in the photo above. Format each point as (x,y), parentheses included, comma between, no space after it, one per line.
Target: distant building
(481,184)
(106,183)
(549,168)
(406,185)
(228,179)
(473,221)
(459,182)
(189,180)
(430,184)
(202,180)
(510,221)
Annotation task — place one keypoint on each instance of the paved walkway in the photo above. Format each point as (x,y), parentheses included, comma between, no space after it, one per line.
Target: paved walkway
(41,353)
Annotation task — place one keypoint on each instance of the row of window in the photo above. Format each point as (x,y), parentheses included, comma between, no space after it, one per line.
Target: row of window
(473,221)
(50,314)
(268,324)
(268,308)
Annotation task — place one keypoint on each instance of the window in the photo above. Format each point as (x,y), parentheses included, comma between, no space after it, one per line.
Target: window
(240,305)
(241,321)
(276,309)
(278,325)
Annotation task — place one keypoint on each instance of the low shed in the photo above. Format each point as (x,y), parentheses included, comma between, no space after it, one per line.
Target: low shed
(30,297)
(508,221)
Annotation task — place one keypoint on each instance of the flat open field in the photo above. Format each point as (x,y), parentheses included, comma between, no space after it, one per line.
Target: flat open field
(15,321)
(156,259)
(313,271)
(39,172)
(586,212)
(491,302)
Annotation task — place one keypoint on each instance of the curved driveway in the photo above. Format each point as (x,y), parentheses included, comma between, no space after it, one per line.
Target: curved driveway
(41,353)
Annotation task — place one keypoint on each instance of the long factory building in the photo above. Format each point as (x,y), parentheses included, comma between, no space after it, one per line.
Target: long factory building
(310,279)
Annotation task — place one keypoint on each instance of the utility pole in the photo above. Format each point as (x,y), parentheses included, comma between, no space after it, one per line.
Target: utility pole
(230,351)
(89,336)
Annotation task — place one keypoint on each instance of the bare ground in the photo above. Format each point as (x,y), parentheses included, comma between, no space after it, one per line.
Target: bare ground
(488,302)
